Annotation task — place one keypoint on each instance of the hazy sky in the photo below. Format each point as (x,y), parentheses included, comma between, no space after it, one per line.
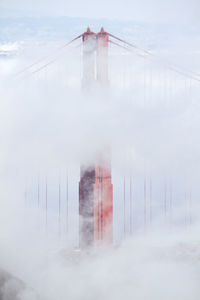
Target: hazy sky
(149,10)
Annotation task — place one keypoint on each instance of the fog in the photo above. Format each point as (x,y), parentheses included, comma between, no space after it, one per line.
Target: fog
(149,117)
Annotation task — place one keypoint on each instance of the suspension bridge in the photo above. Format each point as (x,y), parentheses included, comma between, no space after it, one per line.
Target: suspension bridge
(103,207)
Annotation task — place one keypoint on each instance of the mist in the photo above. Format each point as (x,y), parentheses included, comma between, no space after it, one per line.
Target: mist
(149,118)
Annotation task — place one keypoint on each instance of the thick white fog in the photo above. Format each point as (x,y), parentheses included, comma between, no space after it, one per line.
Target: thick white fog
(149,117)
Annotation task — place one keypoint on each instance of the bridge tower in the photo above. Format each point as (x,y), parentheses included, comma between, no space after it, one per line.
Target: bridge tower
(95,187)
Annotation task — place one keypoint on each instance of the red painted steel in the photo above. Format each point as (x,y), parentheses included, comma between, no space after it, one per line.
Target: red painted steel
(88,67)
(103,205)
(103,188)
(102,56)
(95,187)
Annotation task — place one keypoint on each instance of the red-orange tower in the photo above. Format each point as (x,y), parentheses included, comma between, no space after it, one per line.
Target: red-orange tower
(88,67)
(95,187)
(102,57)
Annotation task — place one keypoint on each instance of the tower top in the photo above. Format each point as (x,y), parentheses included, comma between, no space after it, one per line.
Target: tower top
(88,30)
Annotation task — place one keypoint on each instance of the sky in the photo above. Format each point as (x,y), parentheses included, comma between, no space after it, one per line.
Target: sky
(142,10)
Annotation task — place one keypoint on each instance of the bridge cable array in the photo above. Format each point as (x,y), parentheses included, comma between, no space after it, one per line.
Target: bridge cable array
(175,68)
(143,53)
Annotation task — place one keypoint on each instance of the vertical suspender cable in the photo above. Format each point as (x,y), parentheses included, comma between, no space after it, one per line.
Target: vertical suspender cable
(46,204)
(165,200)
(131,207)
(124,207)
(145,205)
(190,208)
(67,203)
(59,206)
(38,192)
(170,202)
(150,200)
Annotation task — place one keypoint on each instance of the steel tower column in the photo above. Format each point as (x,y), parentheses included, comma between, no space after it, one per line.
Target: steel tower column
(95,187)
(103,188)
(87,173)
